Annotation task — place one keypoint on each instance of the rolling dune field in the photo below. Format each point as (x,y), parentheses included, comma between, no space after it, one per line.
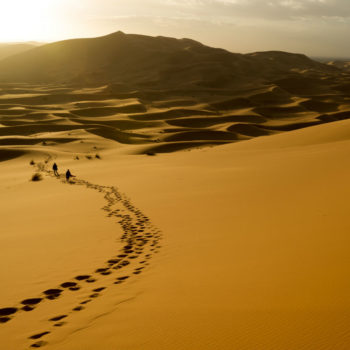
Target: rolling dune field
(208,208)
(167,122)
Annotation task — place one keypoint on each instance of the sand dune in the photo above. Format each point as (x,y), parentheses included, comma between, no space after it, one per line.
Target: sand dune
(249,130)
(203,122)
(256,111)
(105,111)
(10,49)
(171,113)
(223,184)
(6,154)
(240,279)
(344,65)
(201,135)
(204,91)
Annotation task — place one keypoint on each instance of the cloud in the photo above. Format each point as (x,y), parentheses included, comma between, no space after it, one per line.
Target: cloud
(269,9)
(315,27)
(226,10)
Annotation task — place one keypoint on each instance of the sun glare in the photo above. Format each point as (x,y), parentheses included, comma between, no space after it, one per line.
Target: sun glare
(25,20)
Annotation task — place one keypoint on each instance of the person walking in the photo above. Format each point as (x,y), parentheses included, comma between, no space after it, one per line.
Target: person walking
(55,169)
(69,175)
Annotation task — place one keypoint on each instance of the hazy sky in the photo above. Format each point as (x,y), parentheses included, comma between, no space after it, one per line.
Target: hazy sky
(314,27)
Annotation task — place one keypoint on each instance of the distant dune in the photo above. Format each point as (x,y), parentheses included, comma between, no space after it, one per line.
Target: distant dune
(10,49)
(342,64)
(159,94)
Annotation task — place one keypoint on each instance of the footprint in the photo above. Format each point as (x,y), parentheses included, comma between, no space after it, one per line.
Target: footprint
(101,270)
(27,308)
(106,273)
(58,318)
(7,311)
(4,319)
(38,344)
(91,280)
(69,284)
(113,261)
(99,289)
(74,288)
(53,293)
(33,301)
(82,277)
(38,336)
(59,324)
(123,278)
(78,308)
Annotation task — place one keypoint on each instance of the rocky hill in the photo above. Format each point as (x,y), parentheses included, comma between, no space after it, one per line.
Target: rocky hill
(150,61)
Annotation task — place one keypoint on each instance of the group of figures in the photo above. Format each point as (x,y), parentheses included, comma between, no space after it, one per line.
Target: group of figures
(68,173)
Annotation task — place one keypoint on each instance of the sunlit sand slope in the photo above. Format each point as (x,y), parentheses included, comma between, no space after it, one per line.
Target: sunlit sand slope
(10,49)
(240,246)
(256,248)
(253,255)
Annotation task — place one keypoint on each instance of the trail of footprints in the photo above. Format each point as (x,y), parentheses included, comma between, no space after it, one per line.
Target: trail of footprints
(140,239)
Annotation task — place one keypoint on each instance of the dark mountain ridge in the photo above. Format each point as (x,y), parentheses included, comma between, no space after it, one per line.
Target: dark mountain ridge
(150,61)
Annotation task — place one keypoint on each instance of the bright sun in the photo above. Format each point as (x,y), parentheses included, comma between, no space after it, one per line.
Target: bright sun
(25,20)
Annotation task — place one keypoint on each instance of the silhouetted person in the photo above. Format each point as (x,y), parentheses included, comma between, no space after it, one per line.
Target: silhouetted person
(55,169)
(69,175)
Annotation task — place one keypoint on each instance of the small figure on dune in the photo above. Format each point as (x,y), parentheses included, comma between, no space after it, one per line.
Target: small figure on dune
(69,175)
(55,169)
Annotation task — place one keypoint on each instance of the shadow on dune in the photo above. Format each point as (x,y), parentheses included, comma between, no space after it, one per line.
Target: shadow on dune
(201,135)
(334,116)
(12,141)
(119,136)
(171,114)
(249,130)
(203,122)
(122,124)
(107,111)
(179,146)
(6,154)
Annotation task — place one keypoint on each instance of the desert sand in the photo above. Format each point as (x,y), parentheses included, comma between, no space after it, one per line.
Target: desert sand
(203,217)
(241,263)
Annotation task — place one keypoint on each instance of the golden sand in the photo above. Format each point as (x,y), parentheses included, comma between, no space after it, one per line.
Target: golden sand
(163,241)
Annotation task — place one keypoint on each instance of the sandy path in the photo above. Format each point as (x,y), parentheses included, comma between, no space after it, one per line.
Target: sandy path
(139,242)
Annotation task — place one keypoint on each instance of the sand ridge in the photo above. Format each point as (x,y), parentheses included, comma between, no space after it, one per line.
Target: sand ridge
(145,119)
